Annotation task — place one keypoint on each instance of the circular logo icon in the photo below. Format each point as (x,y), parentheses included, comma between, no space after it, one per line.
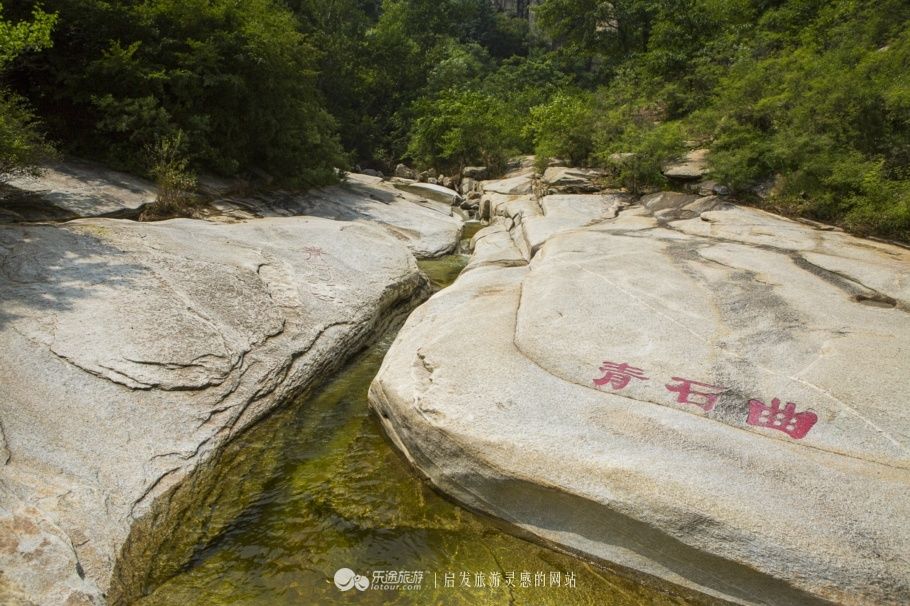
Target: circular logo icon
(345,579)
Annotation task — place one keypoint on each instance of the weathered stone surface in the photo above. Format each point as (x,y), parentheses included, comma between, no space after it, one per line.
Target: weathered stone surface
(475,172)
(404,172)
(493,245)
(693,167)
(664,200)
(516,185)
(432,191)
(565,212)
(467,186)
(133,352)
(428,227)
(489,390)
(81,189)
(673,207)
(571,180)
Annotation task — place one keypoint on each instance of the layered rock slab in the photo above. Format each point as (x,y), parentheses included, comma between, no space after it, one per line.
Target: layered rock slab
(699,403)
(427,226)
(133,352)
(75,188)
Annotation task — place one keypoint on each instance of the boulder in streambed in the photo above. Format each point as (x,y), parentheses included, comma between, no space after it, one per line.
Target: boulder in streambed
(133,353)
(692,167)
(432,191)
(715,402)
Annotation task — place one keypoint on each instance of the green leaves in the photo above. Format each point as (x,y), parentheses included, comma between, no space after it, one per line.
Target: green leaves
(22,145)
(16,38)
(461,127)
(563,128)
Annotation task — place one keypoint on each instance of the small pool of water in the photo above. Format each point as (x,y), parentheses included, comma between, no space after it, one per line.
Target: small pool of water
(338,496)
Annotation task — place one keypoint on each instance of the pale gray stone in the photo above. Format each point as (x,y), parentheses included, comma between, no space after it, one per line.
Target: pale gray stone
(572,180)
(489,391)
(432,191)
(427,226)
(85,189)
(691,168)
(134,352)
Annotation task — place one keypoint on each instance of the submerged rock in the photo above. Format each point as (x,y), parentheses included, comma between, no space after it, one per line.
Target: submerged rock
(714,401)
(133,352)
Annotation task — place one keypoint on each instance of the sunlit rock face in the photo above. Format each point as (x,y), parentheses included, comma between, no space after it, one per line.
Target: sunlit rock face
(133,352)
(707,394)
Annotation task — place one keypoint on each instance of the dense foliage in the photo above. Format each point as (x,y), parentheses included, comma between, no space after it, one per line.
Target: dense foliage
(22,145)
(807,99)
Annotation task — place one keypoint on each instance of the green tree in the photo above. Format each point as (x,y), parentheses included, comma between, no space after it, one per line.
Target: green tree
(22,146)
(563,128)
(462,127)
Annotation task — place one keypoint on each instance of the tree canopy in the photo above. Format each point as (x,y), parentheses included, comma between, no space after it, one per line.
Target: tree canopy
(808,95)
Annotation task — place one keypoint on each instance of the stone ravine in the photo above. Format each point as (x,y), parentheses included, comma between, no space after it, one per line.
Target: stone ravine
(606,377)
(134,352)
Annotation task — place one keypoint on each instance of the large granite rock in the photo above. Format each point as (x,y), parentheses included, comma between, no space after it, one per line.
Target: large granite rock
(427,226)
(433,191)
(74,188)
(691,168)
(717,402)
(133,353)
(572,180)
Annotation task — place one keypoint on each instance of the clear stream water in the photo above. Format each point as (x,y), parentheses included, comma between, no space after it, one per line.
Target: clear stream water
(331,492)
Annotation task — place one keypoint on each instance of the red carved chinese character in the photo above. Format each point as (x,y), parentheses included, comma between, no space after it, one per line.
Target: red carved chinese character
(619,375)
(704,396)
(794,424)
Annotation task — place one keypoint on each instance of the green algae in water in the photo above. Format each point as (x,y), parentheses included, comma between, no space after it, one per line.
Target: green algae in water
(340,496)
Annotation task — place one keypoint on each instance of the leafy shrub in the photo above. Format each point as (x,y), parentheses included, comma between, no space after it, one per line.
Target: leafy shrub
(563,128)
(462,127)
(22,145)
(169,165)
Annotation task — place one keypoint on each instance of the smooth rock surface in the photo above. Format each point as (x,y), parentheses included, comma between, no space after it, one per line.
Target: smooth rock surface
(433,191)
(80,189)
(514,185)
(571,180)
(428,227)
(694,166)
(133,352)
(507,391)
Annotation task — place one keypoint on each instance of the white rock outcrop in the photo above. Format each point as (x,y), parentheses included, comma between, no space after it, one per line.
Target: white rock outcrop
(428,227)
(717,401)
(77,188)
(134,352)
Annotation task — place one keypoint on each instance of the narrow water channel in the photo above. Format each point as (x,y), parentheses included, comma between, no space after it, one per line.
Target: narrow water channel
(338,496)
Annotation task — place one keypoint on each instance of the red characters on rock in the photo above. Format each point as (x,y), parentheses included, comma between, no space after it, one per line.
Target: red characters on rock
(794,424)
(619,375)
(700,394)
(705,396)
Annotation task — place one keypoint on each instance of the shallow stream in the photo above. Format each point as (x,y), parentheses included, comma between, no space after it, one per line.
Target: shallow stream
(338,496)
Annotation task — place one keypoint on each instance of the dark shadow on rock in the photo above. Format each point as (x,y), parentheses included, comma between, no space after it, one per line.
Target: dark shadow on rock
(44,269)
(19,206)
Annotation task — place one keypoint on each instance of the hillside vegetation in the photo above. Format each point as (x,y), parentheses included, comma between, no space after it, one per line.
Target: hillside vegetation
(808,100)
